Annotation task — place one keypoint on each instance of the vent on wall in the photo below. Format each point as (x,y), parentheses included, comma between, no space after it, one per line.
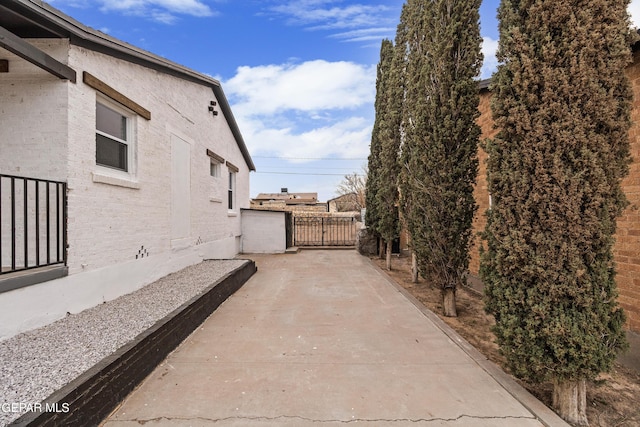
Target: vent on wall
(211,109)
(142,253)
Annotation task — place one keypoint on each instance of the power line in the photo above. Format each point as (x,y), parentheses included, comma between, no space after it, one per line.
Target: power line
(304,174)
(311,167)
(306,158)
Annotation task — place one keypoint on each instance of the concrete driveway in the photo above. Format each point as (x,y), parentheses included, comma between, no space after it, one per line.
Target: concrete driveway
(324,338)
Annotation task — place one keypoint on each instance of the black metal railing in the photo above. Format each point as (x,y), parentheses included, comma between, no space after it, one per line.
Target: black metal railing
(33,223)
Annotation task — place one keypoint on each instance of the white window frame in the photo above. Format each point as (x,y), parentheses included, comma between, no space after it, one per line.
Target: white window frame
(231,192)
(131,141)
(215,168)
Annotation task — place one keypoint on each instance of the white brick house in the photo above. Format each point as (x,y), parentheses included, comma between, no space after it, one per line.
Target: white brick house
(153,166)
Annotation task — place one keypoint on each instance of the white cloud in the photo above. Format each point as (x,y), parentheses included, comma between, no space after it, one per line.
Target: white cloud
(365,34)
(310,87)
(311,109)
(323,16)
(161,16)
(490,63)
(158,10)
(187,7)
(348,138)
(327,15)
(634,11)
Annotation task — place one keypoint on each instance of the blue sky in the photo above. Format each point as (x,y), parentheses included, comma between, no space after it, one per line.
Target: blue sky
(299,74)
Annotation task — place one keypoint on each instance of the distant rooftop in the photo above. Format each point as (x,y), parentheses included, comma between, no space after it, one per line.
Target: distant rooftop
(288,197)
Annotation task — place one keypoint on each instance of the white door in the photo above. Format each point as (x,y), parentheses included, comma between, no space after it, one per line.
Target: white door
(180,192)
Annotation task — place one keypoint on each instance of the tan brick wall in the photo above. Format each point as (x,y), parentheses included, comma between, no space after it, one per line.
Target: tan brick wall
(627,247)
(481,193)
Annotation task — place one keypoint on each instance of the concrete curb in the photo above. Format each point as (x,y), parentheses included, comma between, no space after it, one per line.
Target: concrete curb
(92,396)
(326,248)
(545,415)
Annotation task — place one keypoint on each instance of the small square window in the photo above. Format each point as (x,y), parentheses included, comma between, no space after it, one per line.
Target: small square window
(215,167)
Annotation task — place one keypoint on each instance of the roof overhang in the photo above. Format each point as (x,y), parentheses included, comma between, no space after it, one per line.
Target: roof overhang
(36,19)
(484,84)
(21,48)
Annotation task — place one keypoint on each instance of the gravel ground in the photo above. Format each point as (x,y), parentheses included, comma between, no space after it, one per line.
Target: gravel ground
(34,364)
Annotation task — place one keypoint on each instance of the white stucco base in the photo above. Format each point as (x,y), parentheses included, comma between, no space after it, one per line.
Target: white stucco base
(38,305)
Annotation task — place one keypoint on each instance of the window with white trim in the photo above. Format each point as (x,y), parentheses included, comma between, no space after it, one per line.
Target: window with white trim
(115,143)
(215,168)
(215,164)
(232,190)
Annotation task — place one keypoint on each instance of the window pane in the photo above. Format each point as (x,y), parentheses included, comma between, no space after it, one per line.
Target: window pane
(111,153)
(215,169)
(111,122)
(232,184)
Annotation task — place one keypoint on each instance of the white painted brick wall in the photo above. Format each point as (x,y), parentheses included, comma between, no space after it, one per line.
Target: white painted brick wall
(125,220)
(33,141)
(48,131)
(33,112)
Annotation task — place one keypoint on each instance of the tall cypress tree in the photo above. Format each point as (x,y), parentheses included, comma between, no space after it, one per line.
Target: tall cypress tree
(439,151)
(400,78)
(561,102)
(374,165)
(390,117)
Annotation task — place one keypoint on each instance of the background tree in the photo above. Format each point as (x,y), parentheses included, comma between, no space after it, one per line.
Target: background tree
(561,102)
(355,184)
(439,151)
(388,116)
(375,160)
(372,215)
(399,70)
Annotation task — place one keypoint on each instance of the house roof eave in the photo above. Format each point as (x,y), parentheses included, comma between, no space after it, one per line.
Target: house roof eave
(485,84)
(59,25)
(233,125)
(341,196)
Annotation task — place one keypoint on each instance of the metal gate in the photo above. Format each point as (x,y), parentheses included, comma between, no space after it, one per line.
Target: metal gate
(324,231)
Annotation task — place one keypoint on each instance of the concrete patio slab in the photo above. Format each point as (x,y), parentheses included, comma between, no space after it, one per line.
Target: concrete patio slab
(324,338)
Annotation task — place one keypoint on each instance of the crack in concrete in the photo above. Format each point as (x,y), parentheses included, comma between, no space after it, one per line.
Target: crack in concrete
(354,420)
